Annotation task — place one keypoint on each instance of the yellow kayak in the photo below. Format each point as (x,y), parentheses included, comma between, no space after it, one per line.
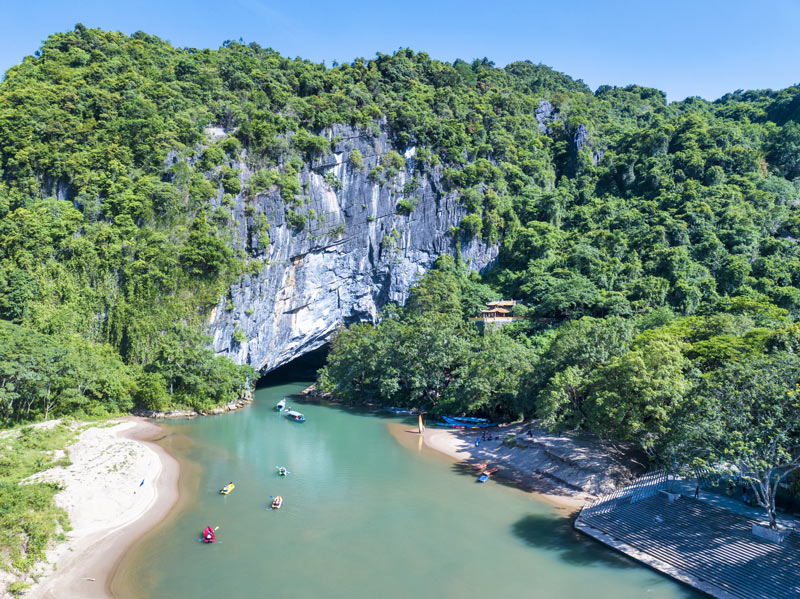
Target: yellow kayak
(227,489)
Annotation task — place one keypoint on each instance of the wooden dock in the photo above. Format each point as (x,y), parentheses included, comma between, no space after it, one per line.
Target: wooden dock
(702,545)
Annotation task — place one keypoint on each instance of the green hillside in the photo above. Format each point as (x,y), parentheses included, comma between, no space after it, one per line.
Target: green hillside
(630,227)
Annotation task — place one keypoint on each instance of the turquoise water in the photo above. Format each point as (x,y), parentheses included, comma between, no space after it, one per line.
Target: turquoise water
(364,515)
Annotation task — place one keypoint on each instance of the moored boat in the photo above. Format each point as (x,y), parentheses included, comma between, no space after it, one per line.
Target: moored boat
(296,416)
(277,502)
(226,490)
(395,410)
(482,466)
(467,422)
(281,405)
(483,478)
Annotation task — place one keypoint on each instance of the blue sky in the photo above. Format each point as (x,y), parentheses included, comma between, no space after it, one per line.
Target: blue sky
(703,47)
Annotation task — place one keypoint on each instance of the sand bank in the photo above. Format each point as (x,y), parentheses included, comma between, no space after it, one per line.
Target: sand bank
(561,470)
(108,505)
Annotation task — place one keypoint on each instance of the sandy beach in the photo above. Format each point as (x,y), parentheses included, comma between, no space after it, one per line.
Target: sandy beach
(108,504)
(560,470)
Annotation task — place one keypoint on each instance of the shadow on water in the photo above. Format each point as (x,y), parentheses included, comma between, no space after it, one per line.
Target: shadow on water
(544,531)
(558,535)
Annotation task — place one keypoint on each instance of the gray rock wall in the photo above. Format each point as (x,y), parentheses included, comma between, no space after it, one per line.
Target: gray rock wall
(356,255)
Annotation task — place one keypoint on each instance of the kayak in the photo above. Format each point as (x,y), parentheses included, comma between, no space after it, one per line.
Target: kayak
(296,416)
(464,423)
(227,489)
(280,405)
(282,471)
(208,535)
(466,419)
(486,474)
(277,503)
(401,411)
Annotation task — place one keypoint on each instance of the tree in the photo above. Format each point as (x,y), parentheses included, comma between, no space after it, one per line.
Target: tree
(437,292)
(751,424)
(636,395)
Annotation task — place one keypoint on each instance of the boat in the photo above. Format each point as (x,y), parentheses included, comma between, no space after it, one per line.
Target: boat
(280,405)
(448,425)
(296,416)
(481,467)
(401,411)
(226,490)
(282,471)
(466,420)
(208,535)
(486,474)
(277,503)
(463,423)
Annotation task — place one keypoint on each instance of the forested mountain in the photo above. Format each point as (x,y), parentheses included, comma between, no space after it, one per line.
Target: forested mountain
(652,243)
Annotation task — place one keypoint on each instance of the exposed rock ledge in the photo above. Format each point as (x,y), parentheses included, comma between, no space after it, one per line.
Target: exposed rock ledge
(357,252)
(242,402)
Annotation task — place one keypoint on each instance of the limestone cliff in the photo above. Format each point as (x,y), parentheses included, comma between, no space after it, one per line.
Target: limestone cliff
(357,252)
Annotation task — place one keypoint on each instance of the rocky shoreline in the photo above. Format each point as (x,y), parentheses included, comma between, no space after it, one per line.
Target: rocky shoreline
(237,404)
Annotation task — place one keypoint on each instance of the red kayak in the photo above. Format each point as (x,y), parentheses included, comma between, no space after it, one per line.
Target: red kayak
(208,535)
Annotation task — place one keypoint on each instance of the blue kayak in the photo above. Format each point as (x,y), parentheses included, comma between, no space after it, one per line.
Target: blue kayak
(467,419)
(461,423)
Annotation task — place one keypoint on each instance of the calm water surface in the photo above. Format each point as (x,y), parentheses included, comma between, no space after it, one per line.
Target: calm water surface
(364,516)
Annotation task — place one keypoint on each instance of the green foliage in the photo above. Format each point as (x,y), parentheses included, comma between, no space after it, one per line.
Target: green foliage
(405,207)
(296,220)
(672,230)
(42,376)
(356,159)
(239,335)
(29,517)
(748,420)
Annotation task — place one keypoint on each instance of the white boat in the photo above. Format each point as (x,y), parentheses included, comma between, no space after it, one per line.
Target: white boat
(281,405)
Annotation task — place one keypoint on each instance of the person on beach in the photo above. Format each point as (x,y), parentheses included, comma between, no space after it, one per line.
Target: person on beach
(697,492)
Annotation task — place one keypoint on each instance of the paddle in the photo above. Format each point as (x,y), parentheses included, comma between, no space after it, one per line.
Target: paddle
(216,528)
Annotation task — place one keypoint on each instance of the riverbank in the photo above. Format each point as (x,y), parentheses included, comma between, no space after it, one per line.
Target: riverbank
(118,485)
(562,470)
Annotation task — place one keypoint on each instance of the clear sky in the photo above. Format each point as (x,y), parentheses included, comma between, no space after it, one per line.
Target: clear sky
(686,48)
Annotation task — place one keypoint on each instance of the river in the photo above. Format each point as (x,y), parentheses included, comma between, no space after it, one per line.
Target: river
(364,515)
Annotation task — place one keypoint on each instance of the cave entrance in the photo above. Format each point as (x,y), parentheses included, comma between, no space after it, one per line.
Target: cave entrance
(302,368)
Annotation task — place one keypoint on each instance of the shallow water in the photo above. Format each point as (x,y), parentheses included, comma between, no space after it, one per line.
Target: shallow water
(363,516)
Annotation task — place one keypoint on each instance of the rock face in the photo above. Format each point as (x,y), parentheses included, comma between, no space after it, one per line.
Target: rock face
(358,251)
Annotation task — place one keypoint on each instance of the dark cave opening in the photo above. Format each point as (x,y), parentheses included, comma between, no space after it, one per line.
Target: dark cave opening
(302,368)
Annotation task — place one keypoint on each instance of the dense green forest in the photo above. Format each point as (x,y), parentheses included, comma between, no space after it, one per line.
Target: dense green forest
(654,244)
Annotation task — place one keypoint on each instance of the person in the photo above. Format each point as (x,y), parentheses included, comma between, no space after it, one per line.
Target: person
(697,492)
(530,434)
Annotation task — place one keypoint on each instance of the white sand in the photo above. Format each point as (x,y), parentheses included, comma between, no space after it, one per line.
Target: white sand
(103,498)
